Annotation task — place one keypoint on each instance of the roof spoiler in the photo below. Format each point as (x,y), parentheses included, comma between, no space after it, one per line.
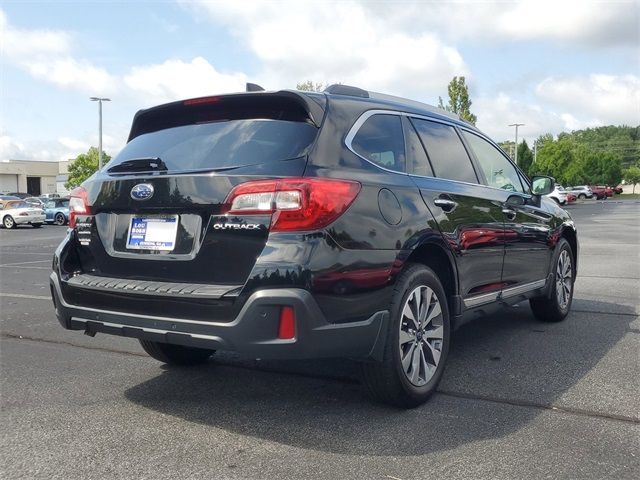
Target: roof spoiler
(314,106)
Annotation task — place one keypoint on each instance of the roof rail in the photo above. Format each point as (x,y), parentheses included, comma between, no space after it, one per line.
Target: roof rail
(413,103)
(339,89)
(254,87)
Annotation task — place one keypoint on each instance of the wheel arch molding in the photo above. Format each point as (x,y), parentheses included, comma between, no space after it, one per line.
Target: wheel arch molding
(434,253)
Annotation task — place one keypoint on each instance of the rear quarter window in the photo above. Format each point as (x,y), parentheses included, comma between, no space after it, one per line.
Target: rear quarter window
(380,140)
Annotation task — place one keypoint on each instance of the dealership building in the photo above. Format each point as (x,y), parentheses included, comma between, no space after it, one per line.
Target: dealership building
(33,177)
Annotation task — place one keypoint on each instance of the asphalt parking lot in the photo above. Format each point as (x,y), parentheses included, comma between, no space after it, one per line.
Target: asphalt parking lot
(519,399)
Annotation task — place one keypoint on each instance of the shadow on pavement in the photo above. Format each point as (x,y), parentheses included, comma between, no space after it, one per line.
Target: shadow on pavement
(319,405)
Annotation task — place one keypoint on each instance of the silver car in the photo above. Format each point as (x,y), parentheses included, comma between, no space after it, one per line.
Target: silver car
(581,191)
(19,212)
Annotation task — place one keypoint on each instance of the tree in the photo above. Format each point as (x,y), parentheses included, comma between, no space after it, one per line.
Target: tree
(459,101)
(310,86)
(525,157)
(84,165)
(632,176)
(543,139)
(554,159)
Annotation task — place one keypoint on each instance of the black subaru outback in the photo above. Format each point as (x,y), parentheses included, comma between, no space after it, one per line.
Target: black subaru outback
(310,225)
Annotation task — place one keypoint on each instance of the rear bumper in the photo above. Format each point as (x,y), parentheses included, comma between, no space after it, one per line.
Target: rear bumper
(254,331)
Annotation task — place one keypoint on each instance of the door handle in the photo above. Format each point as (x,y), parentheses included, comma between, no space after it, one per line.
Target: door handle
(509,213)
(445,204)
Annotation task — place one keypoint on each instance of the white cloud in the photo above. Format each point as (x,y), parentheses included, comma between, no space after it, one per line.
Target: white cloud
(340,42)
(17,43)
(496,113)
(176,79)
(584,23)
(604,99)
(13,149)
(73,74)
(47,55)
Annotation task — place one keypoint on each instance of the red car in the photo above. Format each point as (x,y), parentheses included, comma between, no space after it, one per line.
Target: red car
(571,197)
(617,189)
(600,192)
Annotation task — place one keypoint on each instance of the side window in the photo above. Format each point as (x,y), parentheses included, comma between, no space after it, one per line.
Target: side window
(64,203)
(380,141)
(417,160)
(446,151)
(50,205)
(498,170)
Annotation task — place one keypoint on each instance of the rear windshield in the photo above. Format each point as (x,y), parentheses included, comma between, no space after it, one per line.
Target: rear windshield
(221,144)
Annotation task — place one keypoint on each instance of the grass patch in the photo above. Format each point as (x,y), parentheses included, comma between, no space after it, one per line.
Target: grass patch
(627,196)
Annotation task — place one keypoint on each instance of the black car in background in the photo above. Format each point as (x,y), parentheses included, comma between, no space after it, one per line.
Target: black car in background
(310,225)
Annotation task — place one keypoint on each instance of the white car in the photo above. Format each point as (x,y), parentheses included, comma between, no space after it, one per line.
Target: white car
(19,212)
(558,195)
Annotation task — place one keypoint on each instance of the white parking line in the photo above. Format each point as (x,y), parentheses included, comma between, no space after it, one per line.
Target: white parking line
(21,295)
(2,252)
(23,263)
(18,266)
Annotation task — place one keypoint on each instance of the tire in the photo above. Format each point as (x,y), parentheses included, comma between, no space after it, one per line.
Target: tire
(59,219)
(9,222)
(36,225)
(176,354)
(582,196)
(555,306)
(411,384)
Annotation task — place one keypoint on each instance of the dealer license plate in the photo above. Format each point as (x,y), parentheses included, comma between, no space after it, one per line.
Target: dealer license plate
(153,233)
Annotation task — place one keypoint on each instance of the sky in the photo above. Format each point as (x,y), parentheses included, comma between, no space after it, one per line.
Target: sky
(555,66)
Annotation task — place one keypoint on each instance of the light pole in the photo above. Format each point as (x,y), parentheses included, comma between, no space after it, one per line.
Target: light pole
(99,100)
(516,125)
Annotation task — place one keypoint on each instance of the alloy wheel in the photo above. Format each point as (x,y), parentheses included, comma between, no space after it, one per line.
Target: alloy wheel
(421,335)
(59,220)
(564,279)
(8,222)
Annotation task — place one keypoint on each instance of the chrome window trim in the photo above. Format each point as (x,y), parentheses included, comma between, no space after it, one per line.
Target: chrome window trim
(353,131)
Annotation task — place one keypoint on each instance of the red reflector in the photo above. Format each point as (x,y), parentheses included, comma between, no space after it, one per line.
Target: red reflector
(287,329)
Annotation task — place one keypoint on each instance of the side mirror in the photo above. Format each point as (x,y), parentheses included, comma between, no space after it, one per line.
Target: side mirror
(542,185)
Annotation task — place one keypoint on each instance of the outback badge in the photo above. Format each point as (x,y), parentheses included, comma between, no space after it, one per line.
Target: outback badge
(142,191)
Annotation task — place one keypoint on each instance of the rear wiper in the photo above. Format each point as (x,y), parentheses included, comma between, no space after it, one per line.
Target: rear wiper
(145,164)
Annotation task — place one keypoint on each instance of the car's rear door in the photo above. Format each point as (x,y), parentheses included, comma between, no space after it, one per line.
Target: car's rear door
(468,214)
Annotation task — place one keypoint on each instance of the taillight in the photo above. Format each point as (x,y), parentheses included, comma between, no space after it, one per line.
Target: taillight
(296,204)
(78,205)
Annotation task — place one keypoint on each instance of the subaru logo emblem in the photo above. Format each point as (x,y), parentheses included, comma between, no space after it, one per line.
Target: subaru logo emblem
(142,191)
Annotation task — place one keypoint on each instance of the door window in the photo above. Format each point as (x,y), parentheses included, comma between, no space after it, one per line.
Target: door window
(380,141)
(448,156)
(498,170)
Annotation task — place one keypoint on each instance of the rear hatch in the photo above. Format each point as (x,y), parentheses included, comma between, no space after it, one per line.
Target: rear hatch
(157,211)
